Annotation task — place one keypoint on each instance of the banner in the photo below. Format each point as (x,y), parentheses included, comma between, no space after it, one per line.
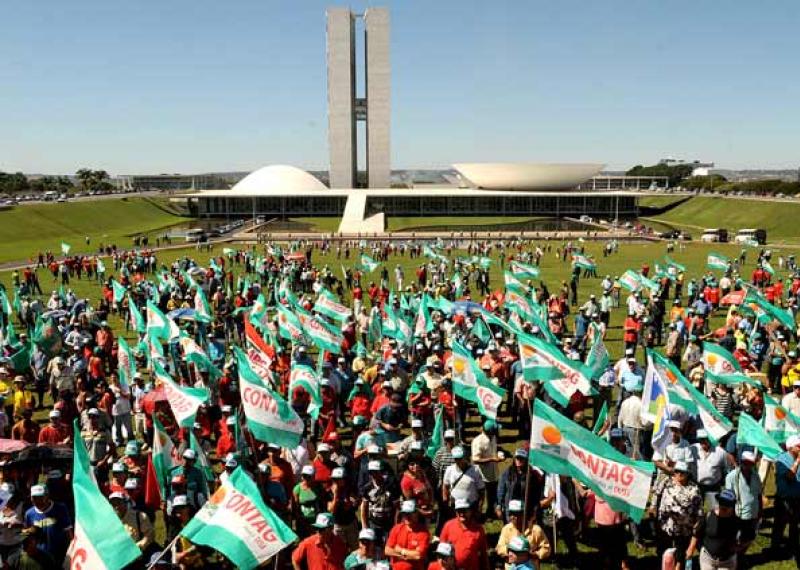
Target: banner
(184,401)
(717,261)
(751,433)
(524,271)
(470,383)
(546,363)
(655,405)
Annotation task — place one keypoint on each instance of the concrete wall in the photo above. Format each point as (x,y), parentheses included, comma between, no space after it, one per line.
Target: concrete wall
(341,93)
(378,77)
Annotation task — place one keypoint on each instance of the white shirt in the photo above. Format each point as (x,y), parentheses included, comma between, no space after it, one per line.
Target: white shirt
(560,504)
(467,486)
(675,452)
(791,403)
(709,467)
(122,405)
(485,447)
(630,413)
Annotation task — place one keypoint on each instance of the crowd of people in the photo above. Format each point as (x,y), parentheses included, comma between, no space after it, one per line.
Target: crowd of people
(395,469)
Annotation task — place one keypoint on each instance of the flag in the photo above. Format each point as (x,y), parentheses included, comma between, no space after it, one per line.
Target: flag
(630,280)
(193,352)
(229,251)
(157,322)
(481,331)
(135,317)
(561,376)
(751,433)
(368,263)
(717,261)
(100,541)
(779,422)
(65,247)
(260,355)
(269,417)
(236,522)
(597,359)
(47,336)
(765,265)
(5,304)
(438,434)
(524,271)
(423,323)
(514,284)
(655,405)
(202,462)
(164,458)
(322,336)
(584,262)
(675,264)
(649,283)
(202,310)
(289,326)
(470,383)
(305,377)
(559,445)
(328,305)
(755,299)
(119,290)
(183,400)
(601,418)
(718,361)
(126,363)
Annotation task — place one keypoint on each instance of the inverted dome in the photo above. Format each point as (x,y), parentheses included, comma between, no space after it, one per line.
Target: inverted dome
(278,177)
(526,175)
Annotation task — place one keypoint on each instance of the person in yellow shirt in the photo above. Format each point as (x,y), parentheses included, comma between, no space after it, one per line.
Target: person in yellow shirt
(22,397)
(540,546)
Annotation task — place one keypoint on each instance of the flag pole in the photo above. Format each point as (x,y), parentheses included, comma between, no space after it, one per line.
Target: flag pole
(527,476)
(163,552)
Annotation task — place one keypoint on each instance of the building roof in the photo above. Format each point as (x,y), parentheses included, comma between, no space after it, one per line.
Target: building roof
(526,175)
(277,179)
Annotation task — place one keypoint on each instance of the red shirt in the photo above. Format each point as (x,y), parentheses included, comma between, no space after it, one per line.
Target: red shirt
(404,536)
(415,489)
(469,542)
(320,556)
(52,434)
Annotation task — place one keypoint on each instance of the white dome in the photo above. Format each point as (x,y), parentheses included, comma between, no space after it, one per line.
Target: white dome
(278,178)
(526,175)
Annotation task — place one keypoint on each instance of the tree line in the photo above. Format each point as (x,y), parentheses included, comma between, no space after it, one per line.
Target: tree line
(87,180)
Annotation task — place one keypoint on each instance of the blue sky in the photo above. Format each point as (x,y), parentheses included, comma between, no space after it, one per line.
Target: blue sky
(193,86)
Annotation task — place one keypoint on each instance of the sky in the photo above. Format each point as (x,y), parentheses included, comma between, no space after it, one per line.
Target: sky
(191,86)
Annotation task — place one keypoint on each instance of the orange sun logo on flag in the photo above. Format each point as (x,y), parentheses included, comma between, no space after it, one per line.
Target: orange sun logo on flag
(528,351)
(712,359)
(780,413)
(218,496)
(458,366)
(551,435)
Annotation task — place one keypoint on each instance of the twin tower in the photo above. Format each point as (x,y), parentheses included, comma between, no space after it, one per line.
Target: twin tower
(346,109)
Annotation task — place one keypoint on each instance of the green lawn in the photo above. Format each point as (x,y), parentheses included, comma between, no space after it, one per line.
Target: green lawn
(778,218)
(659,201)
(459,223)
(26,230)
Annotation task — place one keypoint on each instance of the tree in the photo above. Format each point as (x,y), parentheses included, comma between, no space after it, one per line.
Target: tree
(712,182)
(676,173)
(13,183)
(93,180)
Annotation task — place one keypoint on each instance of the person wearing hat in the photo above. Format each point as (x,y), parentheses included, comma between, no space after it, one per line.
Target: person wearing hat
(379,499)
(229,466)
(226,442)
(467,536)
(323,465)
(98,444)
(415,484)
(720,545)
(11,521)
(745,484)
(272,492)
(443,458)
(791,401)
(407,545)
(136,524)
(390,419)
(462,480)
(383,398)
(519,554)
(280,469)
(486,457)
(53,520)
(787,498)
(195,478)
(308,500)
(55,432)
(538,544)
(679,514)
(360,400)
(343,504)
(21,397)
(322,550)
(29,554)
(445,557)
(709,465)
(417,434)
(513,483)
(678,449)
(120,411)
(364,555)
(637,430)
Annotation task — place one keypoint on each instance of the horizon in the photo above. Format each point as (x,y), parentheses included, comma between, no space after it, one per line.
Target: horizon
(187,88)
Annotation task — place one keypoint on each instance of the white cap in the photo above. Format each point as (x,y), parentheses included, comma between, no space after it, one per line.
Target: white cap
(93,412)
(189,454)
(449,433)
(408,507)
(445,549)
(323,447)
(118,467)
(38,491)
(702,434)
(793,441)
(458,452)
(374,465)
(231,462)
(55,414)
(416,445)
(308,470)
(416,423)
(118,495)
(515,506)
(180,501)
(681,466)
(674,424)
(462,504)
(132,484)
(227,409)
(366,534)
(7,487)
(749,456)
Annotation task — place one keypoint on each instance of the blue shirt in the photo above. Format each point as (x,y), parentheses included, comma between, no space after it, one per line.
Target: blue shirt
(631,379)
(786,488)
(54,523)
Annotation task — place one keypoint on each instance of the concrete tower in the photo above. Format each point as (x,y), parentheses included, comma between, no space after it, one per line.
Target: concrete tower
(345,109)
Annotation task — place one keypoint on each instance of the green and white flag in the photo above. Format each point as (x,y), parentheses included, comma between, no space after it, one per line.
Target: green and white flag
(135,317)
(164,458)
(203,463)
(328,305)
(100,541)
(65,247)
(183,400)
(649,284)
(752,433)
(157,322)
(423,323)
(269,417)
(5,304)
(755,300)
(717,261)
(597,359)
(630,280)
(601,418)
(559,445)
(305,377)
(126,363)
(119,290)
(717,361)
(289,326)
(229,251)
(669,261)
(583,261)
(470,383)
(322,336)
(560,375)
(368,263)
(514,284)
(524,271)
(236,522)
(437,437)
(779,422)
(766,266)
(202,310)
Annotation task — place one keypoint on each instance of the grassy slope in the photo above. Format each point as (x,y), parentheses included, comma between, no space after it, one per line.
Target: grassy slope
(25,230)
(778,218)
(407,224)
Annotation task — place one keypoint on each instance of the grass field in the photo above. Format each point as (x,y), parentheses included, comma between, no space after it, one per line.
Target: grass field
(778,218)
(26,230)
(395,224)
(630,256)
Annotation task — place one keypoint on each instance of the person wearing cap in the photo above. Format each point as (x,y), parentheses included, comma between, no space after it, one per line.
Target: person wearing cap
(415,484)
(407,545)
(417,434)
(538,544)
(195,478)
(136,523)
(308,500)
(323,465)
(462,480)
(485,456)
(468,538)
(323,550)
(787,498)
(709,465)
(11,520)
(679,514)
(390,419)
(383,397)
(360,400)
(380,496)
(364,555)
(519,554)
(55,432)
(343,504)
(513,483)
(229,466)
(280,469)
(53,520)
(745,484)
(98,442)
(226,442)
(120,411)
(720,532)
(561,495)
(637,430)
(791,401)
(443,458)
(445,557)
